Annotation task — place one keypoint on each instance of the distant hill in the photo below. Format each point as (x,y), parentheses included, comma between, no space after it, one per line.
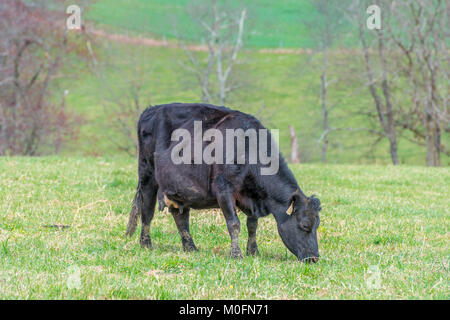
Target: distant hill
(271,24)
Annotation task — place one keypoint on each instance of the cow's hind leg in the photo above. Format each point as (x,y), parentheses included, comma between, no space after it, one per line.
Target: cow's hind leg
(225,201)
(182,222)
(252,225)
(149,192)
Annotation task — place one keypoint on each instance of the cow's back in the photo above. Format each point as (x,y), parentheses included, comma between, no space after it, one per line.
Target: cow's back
(157,123)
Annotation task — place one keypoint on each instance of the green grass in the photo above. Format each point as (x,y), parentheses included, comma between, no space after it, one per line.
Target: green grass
(270,24)
(391,219)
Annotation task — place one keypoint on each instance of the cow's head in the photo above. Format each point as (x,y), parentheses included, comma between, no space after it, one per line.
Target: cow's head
(299,229)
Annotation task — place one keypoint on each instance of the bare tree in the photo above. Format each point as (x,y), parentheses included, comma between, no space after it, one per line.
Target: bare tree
(32,49)
(223,30)
(324,6)
(326,30)
(327,38)
(419,29)
(383,106)
(409,85)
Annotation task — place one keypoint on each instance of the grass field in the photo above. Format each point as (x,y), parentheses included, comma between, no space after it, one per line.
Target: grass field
(378,223)
(271,24)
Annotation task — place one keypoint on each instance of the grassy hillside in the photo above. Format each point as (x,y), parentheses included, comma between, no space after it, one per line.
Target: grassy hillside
(271,24)
(389,223)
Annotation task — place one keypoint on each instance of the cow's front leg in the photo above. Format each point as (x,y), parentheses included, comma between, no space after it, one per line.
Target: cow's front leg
(252,225)
(225,201)
(182,222)
(148,210)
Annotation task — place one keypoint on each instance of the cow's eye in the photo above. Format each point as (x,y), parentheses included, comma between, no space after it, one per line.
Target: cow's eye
(305,226)
(146,134)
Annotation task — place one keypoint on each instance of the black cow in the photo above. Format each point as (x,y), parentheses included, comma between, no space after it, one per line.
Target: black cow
(225,186)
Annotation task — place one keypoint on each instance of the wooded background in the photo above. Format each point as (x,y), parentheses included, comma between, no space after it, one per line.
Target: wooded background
(337,91)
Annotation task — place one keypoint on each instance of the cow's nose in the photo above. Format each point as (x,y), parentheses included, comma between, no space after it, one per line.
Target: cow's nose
(311,259)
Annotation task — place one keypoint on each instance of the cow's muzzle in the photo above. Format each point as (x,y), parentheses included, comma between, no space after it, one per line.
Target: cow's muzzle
(309,259)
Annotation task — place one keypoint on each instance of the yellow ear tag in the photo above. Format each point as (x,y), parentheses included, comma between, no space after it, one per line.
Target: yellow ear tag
(291,208)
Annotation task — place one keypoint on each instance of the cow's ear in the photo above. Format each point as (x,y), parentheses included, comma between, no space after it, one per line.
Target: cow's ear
(298,201)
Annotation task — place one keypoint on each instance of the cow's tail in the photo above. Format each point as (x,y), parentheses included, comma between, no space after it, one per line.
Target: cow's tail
(135,213)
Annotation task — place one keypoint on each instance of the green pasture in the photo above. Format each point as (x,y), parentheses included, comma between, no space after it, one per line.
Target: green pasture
(384,233)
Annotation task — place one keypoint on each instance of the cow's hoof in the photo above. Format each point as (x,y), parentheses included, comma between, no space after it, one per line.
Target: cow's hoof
(252,251)
(236,253)
(189,247)
(146,244)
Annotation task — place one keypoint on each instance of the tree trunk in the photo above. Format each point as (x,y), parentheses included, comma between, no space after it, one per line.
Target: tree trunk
(393,150)
(294,145)
(386,124)
(323,96)
(432,141)
(387,98)
(437,145)
(323,80)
